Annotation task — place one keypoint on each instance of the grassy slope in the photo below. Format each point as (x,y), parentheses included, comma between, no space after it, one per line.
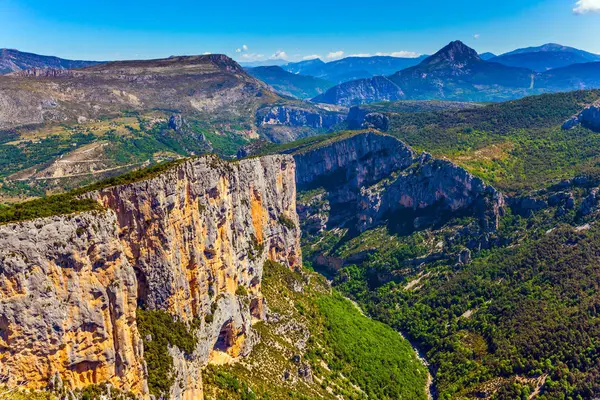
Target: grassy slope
(349,354)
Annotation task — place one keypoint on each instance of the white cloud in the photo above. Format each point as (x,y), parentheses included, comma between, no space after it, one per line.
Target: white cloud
(399,54)
(587,6)
(335,54)
(242,49)
(279,55)
(252,57)
(476,36)
(311,57)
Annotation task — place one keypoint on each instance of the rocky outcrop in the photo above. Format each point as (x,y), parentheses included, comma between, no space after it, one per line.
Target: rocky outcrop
(526,205)
(590,202)
(286,123)
(360,118)
(191,241)
(370,178)
(293,116)
(588,118)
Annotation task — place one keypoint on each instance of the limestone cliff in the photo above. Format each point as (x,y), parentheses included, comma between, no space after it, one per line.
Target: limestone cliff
(588,118)
(191,241)
(371,177)
(285,123)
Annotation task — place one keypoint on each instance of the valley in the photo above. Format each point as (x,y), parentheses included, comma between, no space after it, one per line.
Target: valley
(185,228)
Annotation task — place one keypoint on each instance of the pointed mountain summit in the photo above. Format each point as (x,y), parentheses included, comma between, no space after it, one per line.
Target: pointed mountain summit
(454,54)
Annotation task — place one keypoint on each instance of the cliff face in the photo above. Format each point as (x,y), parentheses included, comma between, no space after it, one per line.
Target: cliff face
(371,177)
(68,297)
(360,118)
(291,116)
(588,118)
(191,241)
(283,123)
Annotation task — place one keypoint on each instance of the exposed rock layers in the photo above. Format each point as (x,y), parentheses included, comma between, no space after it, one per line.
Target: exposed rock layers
(185,241)
(370,177)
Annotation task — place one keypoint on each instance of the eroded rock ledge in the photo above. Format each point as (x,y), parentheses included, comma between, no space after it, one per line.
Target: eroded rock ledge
(191,241)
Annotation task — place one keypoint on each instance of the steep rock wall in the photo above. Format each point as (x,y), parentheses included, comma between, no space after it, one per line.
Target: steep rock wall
(370,177)
(186,241)
(68,298)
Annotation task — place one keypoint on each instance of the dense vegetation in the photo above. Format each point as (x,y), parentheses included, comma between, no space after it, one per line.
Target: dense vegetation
(21,155)
(518,319)
(517,145)
(159,330)
(348,353)
(362,346)
(533,312)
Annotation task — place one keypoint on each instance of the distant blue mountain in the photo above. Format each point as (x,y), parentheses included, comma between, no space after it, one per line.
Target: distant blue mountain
(546,57)
(352,68)
(487,56)
(289,84)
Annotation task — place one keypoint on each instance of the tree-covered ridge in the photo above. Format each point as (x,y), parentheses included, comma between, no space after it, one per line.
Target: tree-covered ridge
(513,313)
(72,202)
(517,146)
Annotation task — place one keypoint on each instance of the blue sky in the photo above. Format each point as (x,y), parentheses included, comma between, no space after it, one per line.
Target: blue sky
(110,29)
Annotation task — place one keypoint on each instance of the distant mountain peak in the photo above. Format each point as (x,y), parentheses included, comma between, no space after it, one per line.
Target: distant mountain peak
(454,53)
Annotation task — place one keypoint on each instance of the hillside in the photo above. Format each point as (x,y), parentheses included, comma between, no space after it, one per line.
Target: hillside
(361,91)
(290,84)
(517,145)
(456,72)
(63,128)
(14,60)
(449,278)
(202,288)
(545,57)
(542,61)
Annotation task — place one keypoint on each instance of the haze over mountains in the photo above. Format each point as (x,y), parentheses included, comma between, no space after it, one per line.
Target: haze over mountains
(543,58)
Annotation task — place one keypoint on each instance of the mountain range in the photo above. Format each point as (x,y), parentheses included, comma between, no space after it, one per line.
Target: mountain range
(546,57)
(350,68)
(457,72)
(403,249)
(290,84)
